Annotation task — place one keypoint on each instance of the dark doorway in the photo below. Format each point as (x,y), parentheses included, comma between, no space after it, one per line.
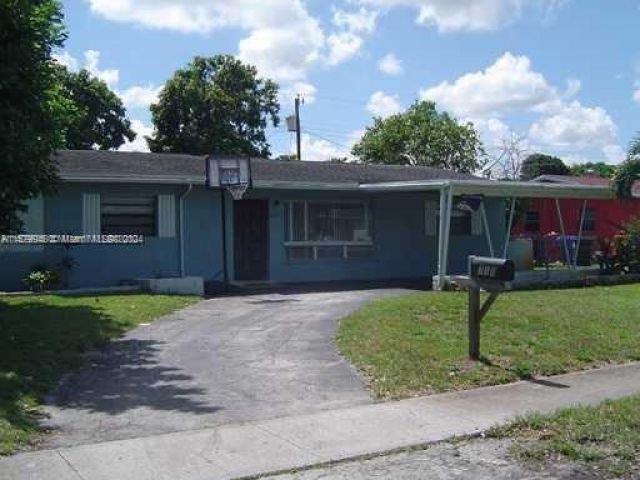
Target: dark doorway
(251,239)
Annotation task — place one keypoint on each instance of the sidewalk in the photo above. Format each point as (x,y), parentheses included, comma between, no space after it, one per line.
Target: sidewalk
(234,451)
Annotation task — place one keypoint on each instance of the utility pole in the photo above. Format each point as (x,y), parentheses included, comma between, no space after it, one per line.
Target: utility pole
(297,109)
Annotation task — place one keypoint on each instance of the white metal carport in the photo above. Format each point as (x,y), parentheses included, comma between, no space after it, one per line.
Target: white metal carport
(491,188)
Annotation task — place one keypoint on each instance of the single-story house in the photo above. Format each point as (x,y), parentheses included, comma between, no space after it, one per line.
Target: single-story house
(297,222)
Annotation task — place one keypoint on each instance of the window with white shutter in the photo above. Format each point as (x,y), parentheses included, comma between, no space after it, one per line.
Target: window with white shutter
(166,216)
(91,214)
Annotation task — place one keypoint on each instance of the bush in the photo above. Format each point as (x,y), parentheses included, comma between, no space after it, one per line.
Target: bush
(40,278)
(621,254)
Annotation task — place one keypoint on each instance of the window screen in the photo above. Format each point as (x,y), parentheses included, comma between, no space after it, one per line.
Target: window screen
(326,230)
(128,215)
(589,220)
(532,221)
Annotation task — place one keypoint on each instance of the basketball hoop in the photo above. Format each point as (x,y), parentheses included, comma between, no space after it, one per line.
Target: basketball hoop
(236,190)
(232,174)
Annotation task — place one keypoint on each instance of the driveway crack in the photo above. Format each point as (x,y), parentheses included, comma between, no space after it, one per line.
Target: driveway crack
(74,469)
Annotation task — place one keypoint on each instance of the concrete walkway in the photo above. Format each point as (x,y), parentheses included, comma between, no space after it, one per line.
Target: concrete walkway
(233,451)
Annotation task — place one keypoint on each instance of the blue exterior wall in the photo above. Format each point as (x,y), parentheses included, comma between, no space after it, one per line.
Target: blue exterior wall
(401,248)
(108,265)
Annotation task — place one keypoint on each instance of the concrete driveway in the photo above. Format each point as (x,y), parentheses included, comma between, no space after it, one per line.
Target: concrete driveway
(223,360)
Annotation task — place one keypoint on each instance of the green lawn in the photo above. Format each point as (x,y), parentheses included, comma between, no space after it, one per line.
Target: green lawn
(417,344)
(605,438)
(41,337)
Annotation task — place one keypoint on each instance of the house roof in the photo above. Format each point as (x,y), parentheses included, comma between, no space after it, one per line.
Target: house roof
(165,168)
(591,180)
(577,180)
(87,165)
(100,165)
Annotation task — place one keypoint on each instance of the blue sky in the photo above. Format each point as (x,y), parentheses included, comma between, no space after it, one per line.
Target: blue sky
(564,75)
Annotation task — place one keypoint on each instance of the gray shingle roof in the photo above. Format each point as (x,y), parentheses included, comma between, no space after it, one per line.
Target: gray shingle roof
(100,163)
(110,164)
(270,170)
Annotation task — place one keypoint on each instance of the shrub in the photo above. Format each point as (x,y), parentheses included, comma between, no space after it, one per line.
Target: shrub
(40,278)
(621,254)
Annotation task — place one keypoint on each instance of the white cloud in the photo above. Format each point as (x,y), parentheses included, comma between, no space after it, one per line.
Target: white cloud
(507,86)
(318,149)
(139,144)
(383,105)
(66,59)
(573,87)
(390,64)
(362,20)
(140,96)
(200,16)
(492,130)
(306,90)
(342,46)
(92,59)
(614,153)
(469,15)
(575,126)
(636,95)
(137,96)
(511,86)
(283,40)
(284,54)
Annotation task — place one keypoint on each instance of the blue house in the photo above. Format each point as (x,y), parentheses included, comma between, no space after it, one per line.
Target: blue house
(297,222)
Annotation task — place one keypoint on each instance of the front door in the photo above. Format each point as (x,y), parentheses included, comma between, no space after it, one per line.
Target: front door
(251,239)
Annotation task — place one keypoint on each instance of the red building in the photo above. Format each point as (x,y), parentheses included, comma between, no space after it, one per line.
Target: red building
(603,218)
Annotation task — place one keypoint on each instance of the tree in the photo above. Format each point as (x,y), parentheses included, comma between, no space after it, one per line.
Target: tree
(99,120)
(422,136)
(629,171)
(538,164)
(600,169)
(32,106)
(215,105)
(511,152)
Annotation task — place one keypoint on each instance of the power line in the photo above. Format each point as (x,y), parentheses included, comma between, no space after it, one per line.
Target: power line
(332,133)
(313,134)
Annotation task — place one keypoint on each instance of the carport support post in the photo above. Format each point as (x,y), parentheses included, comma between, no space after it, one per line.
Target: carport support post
(510,224)
(581,228)
(487,232)
(446,200)
(564,235)
(474,323)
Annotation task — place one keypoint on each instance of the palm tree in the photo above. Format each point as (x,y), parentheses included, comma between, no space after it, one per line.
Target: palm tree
(628,171)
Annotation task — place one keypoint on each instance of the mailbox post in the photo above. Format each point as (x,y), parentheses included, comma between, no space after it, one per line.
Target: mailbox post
(491,275)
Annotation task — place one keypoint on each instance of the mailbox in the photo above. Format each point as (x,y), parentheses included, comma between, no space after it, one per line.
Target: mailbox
(491,269)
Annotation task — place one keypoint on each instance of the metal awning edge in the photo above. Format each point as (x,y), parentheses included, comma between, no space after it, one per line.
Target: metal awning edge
(494,188)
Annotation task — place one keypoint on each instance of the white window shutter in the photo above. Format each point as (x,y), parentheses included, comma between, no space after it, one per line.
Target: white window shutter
(91,214)
(166,216)
(431,209)
(476,222)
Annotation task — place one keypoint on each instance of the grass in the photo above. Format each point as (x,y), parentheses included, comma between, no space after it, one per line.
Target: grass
(605,438)
(417,344)
(42,337)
